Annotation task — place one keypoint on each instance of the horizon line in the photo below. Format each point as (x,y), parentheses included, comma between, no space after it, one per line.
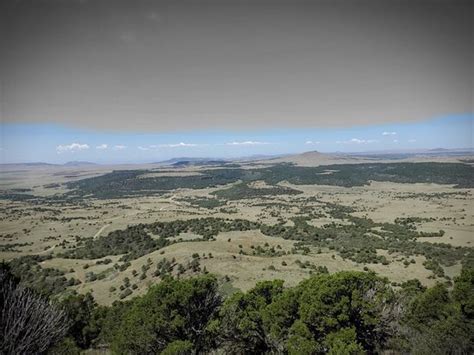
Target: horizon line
(256,156)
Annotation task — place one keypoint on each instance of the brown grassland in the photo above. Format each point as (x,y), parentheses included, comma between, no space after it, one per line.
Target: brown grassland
(42,230)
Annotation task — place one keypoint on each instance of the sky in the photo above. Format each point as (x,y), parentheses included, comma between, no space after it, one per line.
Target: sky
(59,144)
(146,80)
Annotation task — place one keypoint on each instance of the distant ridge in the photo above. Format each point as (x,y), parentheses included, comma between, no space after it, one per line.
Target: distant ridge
(313,158)
(32,164)
(310,158)
(48,165)
(417,151)
(79,163)
(183,163)
(181,159)
(438,150)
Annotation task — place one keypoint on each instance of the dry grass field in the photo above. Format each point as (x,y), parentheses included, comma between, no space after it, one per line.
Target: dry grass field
(51,229)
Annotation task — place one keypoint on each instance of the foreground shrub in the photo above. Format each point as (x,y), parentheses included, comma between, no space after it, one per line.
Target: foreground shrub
(172,310)
(29,324)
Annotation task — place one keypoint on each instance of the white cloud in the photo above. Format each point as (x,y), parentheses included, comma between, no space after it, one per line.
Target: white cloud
(311,142)
(357,141)
(362,141)
(119,147)
(411,140)
(73,147)
(149,147)
(247,143)
(389,133)
(177,145)
(102,146)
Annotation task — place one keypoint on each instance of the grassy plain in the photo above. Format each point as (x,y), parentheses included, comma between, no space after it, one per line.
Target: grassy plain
(52,227)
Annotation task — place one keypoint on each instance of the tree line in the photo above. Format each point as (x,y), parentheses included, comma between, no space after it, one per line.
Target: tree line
(343,313)
(132,183)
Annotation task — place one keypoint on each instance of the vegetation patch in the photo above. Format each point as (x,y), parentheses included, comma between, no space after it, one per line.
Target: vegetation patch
(46,281)
(136,241)
(204,202)
(244,191)
(359,240)
(341,313)
(128,183)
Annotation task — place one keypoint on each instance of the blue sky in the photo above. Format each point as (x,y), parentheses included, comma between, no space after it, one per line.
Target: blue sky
(58,144)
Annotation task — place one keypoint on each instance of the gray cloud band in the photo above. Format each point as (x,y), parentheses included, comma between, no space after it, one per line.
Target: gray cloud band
(169,66)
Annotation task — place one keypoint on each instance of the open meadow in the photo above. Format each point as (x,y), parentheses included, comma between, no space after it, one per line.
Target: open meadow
(114,231)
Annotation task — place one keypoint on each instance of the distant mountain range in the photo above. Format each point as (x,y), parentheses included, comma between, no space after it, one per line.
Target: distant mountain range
(307,158)
(183,163)
(314,158)
(42,164)
(184,159)
(79,163)
(418,151)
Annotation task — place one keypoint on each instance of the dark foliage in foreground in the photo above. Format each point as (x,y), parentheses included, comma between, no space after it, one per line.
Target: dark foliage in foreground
(342,313)
(29,323)
(44,280)
(172,311)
